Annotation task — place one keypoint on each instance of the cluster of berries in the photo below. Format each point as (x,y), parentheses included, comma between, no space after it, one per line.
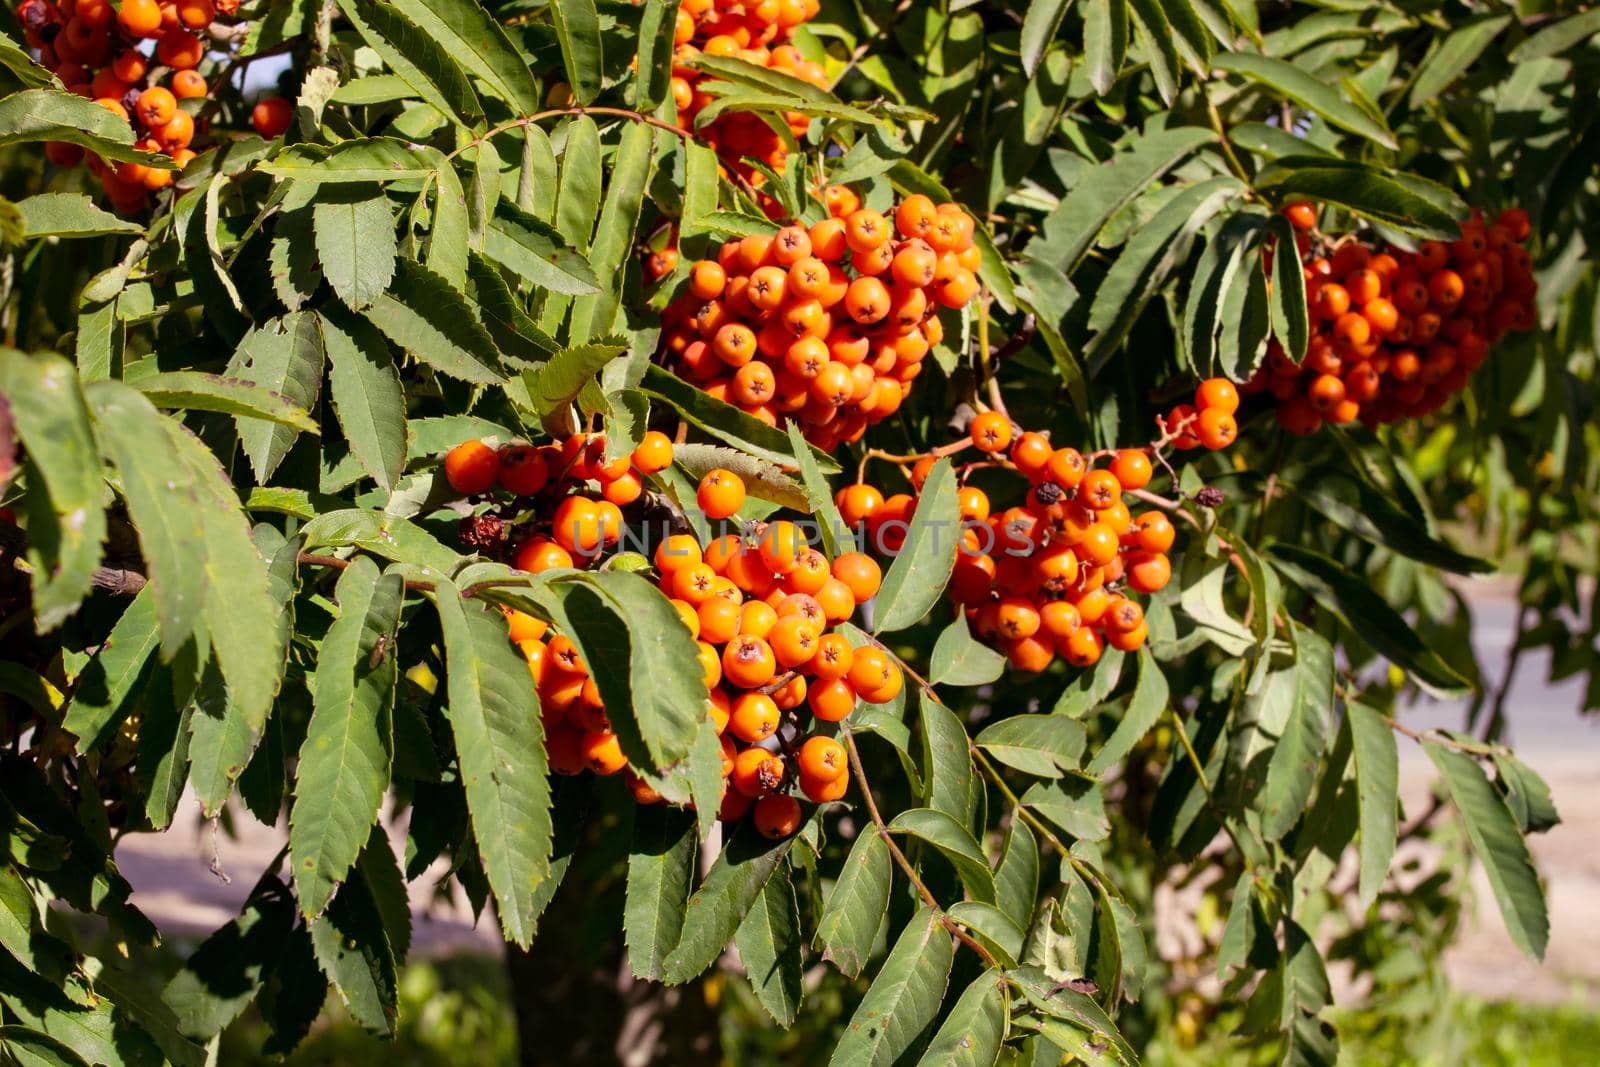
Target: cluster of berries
(1052,576)
(568,526)
(757,33)
(826,324)
(1398,333)
(137,59)
(760,608)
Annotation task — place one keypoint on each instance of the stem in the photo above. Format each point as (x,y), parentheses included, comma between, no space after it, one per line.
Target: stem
(928,898)
(1205,786)
(1227,146)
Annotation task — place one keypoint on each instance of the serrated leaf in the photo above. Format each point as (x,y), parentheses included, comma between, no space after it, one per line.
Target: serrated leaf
(384,535)
(373,159)
(836,537)
(1410,204)
(1105,41)
(1042,745)
(660,875)
(367,397)
(1060,1001)
(1291,323)
(537,252)
(1377,791)
(1039,25)
(1016,880)
(344,762)
(108,679)
(69,215)
(1526,794)
(1558,37)
(716,909)
(512,328)
(54,115)
(1456,52)
(426,316)
(1070,229)
(722,420)
(769,946)
(470,32)
(285,357)
(557,382)
(420,59)
(904,997)
(1150,698)
(578,30)
(613,237)
(947,761)
(856,904)
(958,659)
(1368,614)
(1498,845)
(993,928)
(67,520)
(970,1035)
(226,971)
(1305,89)
(917,577)
(1076,805)
(356,244)
(762,480)
(1360,507)
(292,259)
(354,952)
(197,391)
(955,842)
(494,716)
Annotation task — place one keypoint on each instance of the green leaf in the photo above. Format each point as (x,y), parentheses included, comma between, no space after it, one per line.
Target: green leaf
(1355,504)
(1527,794)
(993,928)
(469,32)
(947,758)
(1157,45)
(512,328)
(1039,26)
(836,537)
(1016,880)
(1457,51)
(1042,745)
(20,63)
(1070,229)
(1499,846)
(1305,89)
(1291,323)
(955,842)
(1410,204)
(69,215)
(1369,615)
(198,391)
(970,1035)
(353,950)
(769,947)
(494,716)
(959,660)
(917,577)
(164,731)
(35,1048)
(1105,41)
(1558,37)
(418,57)
(904,997)
(660,875)
(557,382)
(292,259)
(1226,255)
(613,238)
(1076,805)
(1150,698)
(383,535)
(654,65)
(533,249)
(724,421)
(857,903)
(373,159)
(227,970)
(356,245)
(344,762)
(23,936)
(1377,792)
(578,29)
(431,320)
(1060,1001)
(66,518)
(283,356)
(106,682)
(762,480)
(740,99)
(54,115)
(367,397)
(1291,716)
(729,891)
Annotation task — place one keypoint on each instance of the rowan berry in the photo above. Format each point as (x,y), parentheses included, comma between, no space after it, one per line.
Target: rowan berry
(472,467)
(777,817)
(721,494)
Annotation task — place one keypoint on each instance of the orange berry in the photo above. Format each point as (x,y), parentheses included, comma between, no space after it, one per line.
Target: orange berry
(654,453)
(777,816)
(748,662)
(1217,393)
(757,772)
(271,116)
(832,700)
(472,467)
(602,752)
(1131,467)
(991,432)
(721,493)
(1216,428)
(754,717)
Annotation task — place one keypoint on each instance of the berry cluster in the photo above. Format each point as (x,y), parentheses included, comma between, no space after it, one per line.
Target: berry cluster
(1398,333)
(137,59)
(826,324)
(760,608)
(568,526)
(757,33)
(1052,576)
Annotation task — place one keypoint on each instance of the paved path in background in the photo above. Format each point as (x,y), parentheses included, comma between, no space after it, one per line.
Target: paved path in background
(173,884)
